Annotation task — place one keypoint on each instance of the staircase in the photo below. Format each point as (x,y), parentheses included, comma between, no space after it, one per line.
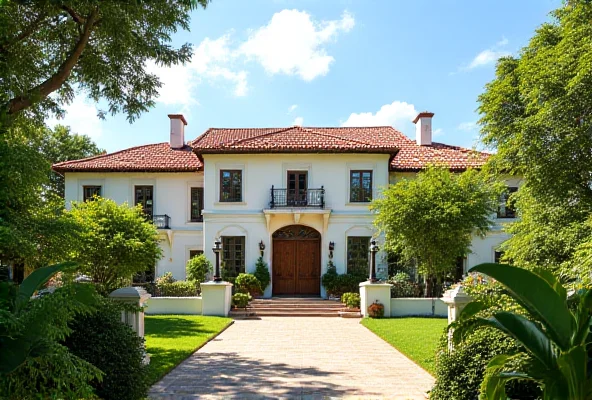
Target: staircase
(291,307)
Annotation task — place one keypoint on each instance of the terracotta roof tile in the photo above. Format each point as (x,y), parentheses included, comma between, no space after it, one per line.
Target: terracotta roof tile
(158,157)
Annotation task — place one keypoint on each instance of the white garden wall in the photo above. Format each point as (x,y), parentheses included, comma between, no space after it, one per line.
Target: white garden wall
(174,305)
(403,307)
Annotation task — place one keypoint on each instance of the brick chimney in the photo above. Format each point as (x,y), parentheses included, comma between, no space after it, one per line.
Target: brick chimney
(178,123)
(423,128)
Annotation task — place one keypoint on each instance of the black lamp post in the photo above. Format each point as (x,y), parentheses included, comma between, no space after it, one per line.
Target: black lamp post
(217,249)
(331,248)
(373,250)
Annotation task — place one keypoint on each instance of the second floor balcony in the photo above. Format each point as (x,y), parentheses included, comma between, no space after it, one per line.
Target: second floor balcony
(297,198)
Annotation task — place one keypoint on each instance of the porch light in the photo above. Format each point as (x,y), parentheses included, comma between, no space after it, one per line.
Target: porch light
(261,247)
(373,250)
(331,248)
(217,249)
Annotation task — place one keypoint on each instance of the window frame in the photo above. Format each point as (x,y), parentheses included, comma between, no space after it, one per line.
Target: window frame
(200,204)
(351,261)
(227,248)
(508,212)
(84,189)
(196,253)
(229,199)
(149,215)
(365,195)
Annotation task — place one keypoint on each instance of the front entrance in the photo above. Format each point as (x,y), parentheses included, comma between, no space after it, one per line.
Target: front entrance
(296,261)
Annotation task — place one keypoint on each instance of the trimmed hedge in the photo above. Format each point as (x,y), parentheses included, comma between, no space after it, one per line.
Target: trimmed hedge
(177,289)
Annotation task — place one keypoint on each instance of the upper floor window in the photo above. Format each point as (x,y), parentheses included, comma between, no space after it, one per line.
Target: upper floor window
(231,185)
(233,254)
(360,186)
(144,196)
(196,204)
(88,192)
(505,209)
(358,250)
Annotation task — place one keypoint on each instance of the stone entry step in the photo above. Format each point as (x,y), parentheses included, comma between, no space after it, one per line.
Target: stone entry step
(291,307)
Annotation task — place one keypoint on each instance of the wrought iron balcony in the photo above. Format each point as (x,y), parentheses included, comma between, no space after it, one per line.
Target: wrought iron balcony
(302,198)
(162,221)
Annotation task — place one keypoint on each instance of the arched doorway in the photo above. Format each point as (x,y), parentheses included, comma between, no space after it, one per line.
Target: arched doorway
(296,261)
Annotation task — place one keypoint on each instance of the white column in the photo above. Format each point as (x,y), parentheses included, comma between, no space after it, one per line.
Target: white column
(371,292)
(216,298)
(136,296)
(456,299)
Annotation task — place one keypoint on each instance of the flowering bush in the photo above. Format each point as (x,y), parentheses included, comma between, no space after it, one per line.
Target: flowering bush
(241,300)
(376,310)
(351,300)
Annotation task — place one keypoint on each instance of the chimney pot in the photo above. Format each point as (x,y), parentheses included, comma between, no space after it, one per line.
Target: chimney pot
(423,128)
(178,122)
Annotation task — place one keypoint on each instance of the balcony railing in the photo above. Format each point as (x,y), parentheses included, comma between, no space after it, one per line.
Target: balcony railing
(297,198)
(162,221)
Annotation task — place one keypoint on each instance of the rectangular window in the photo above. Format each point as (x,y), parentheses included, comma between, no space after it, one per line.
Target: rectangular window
(88,192)
(196,204)
(143,195)
(360,186)
(505,210)
(358,253)
(497,256)
(231,186)
(194,253)
(233,254)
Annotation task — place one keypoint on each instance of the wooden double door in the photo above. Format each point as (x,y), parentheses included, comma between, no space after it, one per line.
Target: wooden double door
(296,261)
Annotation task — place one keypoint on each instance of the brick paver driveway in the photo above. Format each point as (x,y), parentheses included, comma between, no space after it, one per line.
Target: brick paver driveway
(295,358)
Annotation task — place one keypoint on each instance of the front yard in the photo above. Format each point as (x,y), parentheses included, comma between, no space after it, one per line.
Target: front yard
(170,339)
(417,338)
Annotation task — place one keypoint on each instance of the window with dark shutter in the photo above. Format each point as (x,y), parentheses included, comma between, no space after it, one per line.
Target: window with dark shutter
(360,186)
(196,204)
(358,250)
(231,186)
(233,254)
(143,195)
(88,192)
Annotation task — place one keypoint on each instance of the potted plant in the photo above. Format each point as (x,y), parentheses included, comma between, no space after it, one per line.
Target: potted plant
(376,310)
(247,283)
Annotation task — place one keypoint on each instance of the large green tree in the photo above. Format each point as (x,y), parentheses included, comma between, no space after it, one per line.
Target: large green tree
(51,48)
(536,115)
(432,218)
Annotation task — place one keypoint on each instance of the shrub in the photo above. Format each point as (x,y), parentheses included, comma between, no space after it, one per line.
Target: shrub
(241,300)
(376,310)
(198,268)
(177,289)
(336,284)
(103,340)
(351,300)
(166,278)
(262,273)
(403,286)
(459,373)
(247,283)
(329,277)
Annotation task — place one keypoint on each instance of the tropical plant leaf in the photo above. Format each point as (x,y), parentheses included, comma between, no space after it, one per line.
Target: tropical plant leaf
(36,279)
(552,281)
(572,365)
(538,297)
(471,310)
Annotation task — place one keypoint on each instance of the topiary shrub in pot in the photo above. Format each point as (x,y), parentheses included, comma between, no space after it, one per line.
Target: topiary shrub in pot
(262,273)
(112,346)
(241,300)
(247,283)
(197,269)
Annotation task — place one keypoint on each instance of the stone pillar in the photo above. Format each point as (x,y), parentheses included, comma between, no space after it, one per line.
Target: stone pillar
(371,292)
(136,296)
(216,298)
(456,299)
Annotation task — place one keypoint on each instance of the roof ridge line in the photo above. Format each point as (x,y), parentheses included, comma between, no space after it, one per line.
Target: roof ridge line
(69,162)
(308,129)
(280,130)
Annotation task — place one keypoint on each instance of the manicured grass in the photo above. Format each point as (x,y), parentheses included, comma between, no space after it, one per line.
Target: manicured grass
(170,339)
(417,338)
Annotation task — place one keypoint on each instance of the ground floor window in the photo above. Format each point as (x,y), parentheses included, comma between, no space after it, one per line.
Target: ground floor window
(497,256)
(233,255)
(358,250)
(194,253)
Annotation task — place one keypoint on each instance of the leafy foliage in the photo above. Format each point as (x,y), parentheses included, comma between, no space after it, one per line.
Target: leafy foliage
(198,268)
(104,48)
(262,273)
(33,362)
(247,283)
(116,242)
(241,300)
(432,218)
(556,337)
(403,286)
(177,289)
(351,300)
(103,340)
(459,372)
(376,310)
(337,284)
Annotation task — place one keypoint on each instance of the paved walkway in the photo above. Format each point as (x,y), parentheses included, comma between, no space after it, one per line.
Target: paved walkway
(295,358)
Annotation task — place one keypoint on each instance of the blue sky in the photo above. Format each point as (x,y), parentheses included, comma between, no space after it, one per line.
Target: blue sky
(329,63)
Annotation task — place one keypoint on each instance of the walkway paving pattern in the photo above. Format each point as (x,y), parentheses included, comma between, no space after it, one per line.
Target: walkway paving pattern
(295,358)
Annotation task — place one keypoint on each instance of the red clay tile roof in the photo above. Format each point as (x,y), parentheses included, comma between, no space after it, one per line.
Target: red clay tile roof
(158,157)
(297,139)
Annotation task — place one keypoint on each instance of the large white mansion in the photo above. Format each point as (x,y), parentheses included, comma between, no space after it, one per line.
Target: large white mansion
(295,195)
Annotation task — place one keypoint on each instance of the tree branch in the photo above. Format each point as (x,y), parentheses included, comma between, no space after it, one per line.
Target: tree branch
(28,31)
(54,82)
(75,16)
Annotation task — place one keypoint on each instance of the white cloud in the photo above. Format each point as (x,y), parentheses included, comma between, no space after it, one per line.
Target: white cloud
(467,126)
(292,108)
(82,117)
(293,44)
(488,56)
(398,112)
(298,121)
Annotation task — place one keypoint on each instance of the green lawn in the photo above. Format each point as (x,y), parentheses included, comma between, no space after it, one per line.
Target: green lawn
(170,339)
(417,338)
